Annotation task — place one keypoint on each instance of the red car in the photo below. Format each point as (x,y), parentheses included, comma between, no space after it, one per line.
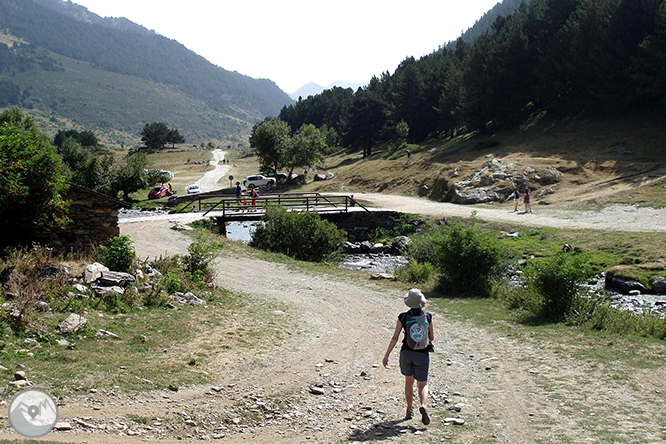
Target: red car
(158,192)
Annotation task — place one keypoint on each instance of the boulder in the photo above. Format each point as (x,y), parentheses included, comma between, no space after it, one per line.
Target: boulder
(112,278)
(551,176)
(188,298)
(80,288)
(93,272)
(103,291)
(400,244)
(545,192)
(474,196)
(352,248)
(73,323)
(42,307)
(659,285)
(377,248)
(366,246)
(623,285)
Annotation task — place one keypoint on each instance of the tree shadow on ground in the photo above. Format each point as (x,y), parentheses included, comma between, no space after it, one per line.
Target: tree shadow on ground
(347,162)
(384,430)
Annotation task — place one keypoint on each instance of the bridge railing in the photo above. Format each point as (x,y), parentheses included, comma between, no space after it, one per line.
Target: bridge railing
(291,201)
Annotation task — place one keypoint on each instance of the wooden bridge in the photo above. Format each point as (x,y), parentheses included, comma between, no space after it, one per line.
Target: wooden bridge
(226,208)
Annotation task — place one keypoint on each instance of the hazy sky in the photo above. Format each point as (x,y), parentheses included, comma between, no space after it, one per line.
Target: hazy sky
(293,42)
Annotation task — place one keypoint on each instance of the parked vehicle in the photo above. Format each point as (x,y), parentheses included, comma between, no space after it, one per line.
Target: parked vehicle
(158,192)
(259,180)
(193,189)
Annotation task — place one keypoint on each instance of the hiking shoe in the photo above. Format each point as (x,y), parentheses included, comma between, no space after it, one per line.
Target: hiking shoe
(410,414)
(425,419)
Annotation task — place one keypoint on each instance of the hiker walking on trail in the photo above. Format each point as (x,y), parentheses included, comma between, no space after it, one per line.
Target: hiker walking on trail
(414,353)
(526,201)
(516,200)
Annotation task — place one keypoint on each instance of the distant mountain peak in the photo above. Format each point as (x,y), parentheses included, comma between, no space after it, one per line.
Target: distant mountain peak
(312,89)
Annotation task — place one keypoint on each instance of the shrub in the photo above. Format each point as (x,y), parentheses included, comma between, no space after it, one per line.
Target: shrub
(172,283)
(301,235)
(197,264)
(414,272)
(423,247)
(467,259)
(557,281)
(118,254)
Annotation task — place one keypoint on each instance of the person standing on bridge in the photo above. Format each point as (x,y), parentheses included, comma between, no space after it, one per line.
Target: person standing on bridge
(414,353)
(239,192)
(253,195)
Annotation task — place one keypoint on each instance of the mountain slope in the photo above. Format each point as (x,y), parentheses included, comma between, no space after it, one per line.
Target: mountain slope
(130,51)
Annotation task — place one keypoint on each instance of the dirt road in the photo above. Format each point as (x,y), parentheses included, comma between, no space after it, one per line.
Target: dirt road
(613,217)
(209,181)
(507,390)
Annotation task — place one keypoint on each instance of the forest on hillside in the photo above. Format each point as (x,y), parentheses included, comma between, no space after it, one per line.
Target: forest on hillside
(144,55)
(551,57)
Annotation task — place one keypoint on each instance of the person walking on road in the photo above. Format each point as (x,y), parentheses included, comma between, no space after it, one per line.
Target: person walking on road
(526,201)
(414,353)
(516,200)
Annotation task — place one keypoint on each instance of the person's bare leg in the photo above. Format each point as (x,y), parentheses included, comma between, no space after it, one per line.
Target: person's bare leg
(409,394)
(423,398)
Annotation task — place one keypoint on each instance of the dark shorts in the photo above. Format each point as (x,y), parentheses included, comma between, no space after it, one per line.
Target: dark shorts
(414,364)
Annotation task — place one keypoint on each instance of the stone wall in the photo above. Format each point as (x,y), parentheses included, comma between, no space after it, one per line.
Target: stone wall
(94,220)
(359,223)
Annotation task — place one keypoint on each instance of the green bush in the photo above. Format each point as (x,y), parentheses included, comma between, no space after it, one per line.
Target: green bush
(118,254)
(172,283)
(197,264)
(424,246)
(414,272)
(467,259)
(557,281)
(301,235)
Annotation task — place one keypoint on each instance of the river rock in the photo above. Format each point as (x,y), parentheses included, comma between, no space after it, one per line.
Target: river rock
(377,248)
(400,244)
(73,323)
(622,285)
(659,285)
(352,248)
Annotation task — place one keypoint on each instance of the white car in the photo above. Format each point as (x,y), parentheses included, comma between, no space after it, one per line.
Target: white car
(259,181)
(193,189)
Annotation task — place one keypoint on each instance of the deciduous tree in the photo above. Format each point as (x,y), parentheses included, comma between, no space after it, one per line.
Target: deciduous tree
(271,140)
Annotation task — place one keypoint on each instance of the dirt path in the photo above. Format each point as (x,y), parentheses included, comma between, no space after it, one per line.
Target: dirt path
(613,217)
(506,390)
(209,181)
